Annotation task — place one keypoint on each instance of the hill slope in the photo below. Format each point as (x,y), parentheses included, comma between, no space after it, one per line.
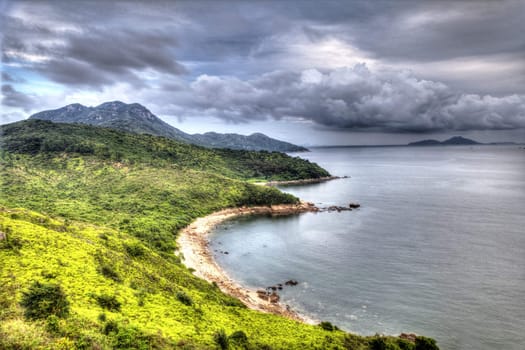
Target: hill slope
(89,216)
(253,142)
(138,119)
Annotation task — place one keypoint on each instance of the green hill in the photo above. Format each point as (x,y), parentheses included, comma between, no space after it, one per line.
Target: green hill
(88,220)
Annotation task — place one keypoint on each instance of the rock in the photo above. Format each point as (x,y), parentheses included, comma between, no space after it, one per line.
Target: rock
(274,298)
(338,208)
(410,336)
(354,205)
(291,283)
(226,253)
(262,294)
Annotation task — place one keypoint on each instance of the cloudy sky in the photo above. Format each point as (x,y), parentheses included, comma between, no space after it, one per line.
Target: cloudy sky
(309,72)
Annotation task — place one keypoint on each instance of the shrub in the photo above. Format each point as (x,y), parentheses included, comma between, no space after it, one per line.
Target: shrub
(406,344)
(378,343)
(327,326)
(110,326)
(239,338)
(229,301)
(221,339)
(53,324)
(43,300)
(10,242)
(184,298)
(135,250)
(108,302)
(424,343)
(108,271)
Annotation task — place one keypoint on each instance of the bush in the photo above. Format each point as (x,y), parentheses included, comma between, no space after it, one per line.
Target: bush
(110,327)
(53,324)
(378,343)
(135,250)
(424,343)
(406,344)
(108,302)
(239,338)
(43,300)
(184,298)
(221,339)
(108,271)
(10,242)
(327,326)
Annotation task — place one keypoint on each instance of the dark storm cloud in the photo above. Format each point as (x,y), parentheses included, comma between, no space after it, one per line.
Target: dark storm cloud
(99,58)
(357,98)
(423,30)
(238,37)
(89,53)
(248,60)
(14,98)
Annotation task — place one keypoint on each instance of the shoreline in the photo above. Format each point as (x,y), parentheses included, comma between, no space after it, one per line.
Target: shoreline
(195,253)
(300,182)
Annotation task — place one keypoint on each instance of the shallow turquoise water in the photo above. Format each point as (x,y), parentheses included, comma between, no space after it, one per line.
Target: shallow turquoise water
(437,248)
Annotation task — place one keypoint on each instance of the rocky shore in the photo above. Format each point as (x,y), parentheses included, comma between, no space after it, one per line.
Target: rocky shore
(195,252)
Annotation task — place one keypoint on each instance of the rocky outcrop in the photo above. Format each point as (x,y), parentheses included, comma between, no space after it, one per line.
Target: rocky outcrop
(408,336)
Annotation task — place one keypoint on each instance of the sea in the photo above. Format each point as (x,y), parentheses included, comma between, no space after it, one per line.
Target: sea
(437,247)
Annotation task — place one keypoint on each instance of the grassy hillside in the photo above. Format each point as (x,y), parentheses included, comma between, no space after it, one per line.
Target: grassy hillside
(39,136)
(88,219)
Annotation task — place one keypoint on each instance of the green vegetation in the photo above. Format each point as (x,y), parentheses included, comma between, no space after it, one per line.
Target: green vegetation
(88,220)
(108,302)
(43,300)
(39,136)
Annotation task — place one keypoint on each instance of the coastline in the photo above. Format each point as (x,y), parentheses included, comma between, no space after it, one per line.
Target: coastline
(194,250)
(301,182)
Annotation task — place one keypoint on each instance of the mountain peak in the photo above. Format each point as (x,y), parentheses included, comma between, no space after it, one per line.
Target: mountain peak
(258,134)
(459,140)
(138,119)
(112,105)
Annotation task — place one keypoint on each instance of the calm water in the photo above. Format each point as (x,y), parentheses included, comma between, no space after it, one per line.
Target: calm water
(437,248)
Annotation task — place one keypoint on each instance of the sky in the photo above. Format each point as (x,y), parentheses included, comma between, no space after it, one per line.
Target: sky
(308,72)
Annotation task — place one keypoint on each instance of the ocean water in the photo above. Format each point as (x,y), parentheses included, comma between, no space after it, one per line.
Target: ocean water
(437,247)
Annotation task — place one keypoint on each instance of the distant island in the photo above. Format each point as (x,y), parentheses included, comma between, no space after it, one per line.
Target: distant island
(453,141)
(138,119)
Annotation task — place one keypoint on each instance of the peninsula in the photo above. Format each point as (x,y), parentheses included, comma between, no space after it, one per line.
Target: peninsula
(89,218)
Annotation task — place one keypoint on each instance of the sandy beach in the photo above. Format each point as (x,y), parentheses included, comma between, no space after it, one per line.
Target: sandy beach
(194,249)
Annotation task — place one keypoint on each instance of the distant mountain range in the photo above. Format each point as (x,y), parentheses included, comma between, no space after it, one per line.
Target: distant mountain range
(138,119)
(453,141)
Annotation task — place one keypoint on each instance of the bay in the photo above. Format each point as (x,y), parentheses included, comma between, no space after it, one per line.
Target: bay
(437,247)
